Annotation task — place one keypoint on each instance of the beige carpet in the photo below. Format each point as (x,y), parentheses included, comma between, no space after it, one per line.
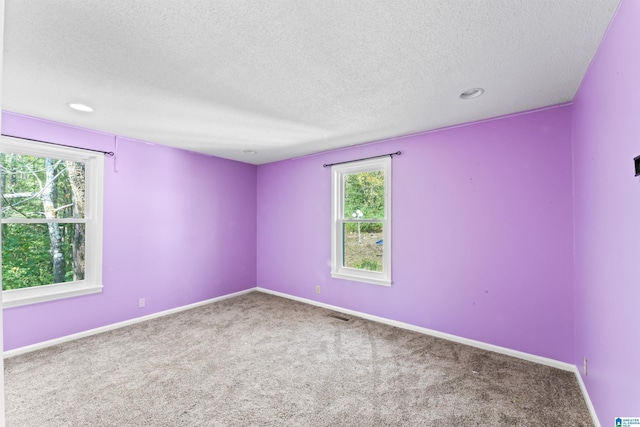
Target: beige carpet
(260,360)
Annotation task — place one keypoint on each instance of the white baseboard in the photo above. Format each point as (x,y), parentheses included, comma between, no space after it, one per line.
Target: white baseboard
(586,397)
(479,344)
(49,343)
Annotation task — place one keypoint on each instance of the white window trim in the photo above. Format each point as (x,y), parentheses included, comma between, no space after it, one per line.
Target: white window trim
(338,173)
(94,196)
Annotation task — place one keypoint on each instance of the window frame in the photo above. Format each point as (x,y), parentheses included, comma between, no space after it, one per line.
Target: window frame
(338,174)
(93,220)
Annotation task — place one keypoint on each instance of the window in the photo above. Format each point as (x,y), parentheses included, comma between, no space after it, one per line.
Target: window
(361,226)
(51,221)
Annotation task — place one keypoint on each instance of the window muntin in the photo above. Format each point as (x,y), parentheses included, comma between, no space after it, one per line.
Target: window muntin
(361,232)
(51,221)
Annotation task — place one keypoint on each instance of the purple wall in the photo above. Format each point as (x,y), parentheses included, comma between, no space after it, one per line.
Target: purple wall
(606,129)
(482,232)
(179,227)
(495,237)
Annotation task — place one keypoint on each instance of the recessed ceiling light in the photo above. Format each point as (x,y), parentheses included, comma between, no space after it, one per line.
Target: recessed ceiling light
(472,93)
(250,152)
(80,107)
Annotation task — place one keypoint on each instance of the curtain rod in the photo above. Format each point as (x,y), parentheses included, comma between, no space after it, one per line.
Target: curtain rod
(106,153)
(397,153)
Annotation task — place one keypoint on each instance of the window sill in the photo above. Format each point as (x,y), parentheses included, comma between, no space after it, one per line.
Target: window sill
(363,279)
(27,296)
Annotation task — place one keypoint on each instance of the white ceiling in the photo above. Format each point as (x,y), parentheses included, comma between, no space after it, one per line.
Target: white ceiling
(291,77)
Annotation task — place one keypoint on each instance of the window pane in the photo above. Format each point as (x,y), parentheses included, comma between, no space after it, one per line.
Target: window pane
(38,187)
(364,195)
(42,254)
(363,245)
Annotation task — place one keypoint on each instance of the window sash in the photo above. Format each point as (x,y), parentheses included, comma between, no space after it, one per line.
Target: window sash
(94,194)
(338,270)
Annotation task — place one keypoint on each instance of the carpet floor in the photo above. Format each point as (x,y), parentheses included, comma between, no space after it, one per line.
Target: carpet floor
(261,360)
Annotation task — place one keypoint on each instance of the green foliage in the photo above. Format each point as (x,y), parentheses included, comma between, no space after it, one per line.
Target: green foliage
(25,176)
(371,227)
(368,264)
(365,227)
(27,259)
(363,196)
(365,192)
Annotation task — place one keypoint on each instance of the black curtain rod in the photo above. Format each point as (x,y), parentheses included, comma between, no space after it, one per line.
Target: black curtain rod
(397,153)
(106,153)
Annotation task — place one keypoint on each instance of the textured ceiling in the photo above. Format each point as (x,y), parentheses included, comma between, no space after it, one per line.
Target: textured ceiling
(291,77)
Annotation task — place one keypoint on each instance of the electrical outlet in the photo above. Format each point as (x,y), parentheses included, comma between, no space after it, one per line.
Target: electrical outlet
(317,289)
(141,303)
(585,366)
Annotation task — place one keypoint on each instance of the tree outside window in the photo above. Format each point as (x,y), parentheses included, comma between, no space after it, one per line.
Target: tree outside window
(361,239)
(39,252)
(51,221)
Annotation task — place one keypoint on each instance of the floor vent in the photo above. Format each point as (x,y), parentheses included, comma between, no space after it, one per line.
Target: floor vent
(339,317)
